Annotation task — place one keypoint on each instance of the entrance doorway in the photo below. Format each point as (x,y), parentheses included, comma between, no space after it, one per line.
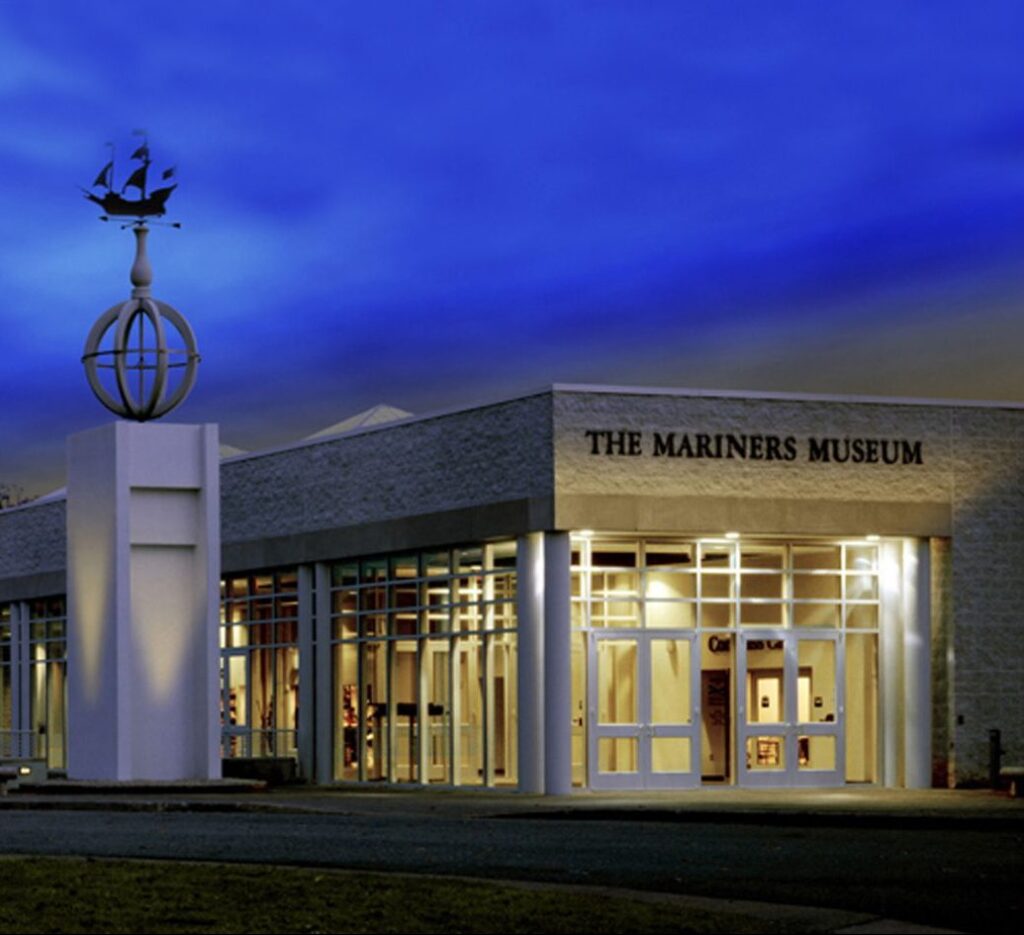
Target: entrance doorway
(643,708)
(732,662)
(777,693)
(789,712)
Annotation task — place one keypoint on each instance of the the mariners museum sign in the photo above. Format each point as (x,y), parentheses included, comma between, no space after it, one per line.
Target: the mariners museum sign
(726,446)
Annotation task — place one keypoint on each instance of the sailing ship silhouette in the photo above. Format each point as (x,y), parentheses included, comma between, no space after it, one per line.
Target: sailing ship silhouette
(114,203)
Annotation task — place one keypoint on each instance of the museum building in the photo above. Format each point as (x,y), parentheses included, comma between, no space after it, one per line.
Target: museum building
(590,588)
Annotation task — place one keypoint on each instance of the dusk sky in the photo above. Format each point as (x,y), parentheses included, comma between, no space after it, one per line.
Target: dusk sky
(429,204)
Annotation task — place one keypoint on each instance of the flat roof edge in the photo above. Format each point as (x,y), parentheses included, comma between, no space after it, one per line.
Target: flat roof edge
(784,396)
(487,403)
(607,389)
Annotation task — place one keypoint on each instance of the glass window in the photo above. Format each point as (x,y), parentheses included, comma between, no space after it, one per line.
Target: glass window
(817,557)
(425,688)
(47,679)
(714,586)
(260,663)
(677,555)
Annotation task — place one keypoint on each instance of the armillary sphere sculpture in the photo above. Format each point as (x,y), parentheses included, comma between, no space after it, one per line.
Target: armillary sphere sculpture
(140,356)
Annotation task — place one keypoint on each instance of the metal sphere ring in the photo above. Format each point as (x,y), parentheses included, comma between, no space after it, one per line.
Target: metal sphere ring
(141,359)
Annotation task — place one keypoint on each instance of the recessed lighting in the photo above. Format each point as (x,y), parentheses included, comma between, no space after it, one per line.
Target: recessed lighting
(873,537)
(732,535)
(585,532)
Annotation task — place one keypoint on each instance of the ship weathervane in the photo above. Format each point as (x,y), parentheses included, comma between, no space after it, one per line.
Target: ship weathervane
(140,356)
(148,204)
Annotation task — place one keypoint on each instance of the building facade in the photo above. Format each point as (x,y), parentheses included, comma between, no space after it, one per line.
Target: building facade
(600,588)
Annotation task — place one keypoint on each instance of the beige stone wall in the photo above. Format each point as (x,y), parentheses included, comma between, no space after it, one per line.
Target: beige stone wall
(970,487)
(579,472)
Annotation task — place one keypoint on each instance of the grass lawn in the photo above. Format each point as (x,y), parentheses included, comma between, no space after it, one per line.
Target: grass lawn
(74,894)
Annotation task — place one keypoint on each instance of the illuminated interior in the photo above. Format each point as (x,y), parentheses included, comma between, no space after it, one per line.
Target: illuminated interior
(33,689)
(424,654)
(716,661)
(774,643)
(259,665)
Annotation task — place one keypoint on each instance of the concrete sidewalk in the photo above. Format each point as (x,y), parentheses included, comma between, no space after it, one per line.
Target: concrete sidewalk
(840,806)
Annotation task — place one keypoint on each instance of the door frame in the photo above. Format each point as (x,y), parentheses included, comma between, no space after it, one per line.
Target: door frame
(790,729)
(643,731)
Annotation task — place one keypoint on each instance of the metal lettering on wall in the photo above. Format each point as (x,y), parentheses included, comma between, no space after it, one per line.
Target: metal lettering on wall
(727,446)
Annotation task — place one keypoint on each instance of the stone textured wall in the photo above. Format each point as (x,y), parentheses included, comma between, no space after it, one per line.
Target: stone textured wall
(973,460)
(32,539)
(578,471)
(988,588)
(943,753)
(485,455)
(973,463)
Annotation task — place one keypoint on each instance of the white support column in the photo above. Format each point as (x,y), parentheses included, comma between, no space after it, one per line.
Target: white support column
(891,660)
(917,730)
(143,572)
(323,707)
(530,670)
(455,687)
(487,667)
(306,739)
(557,665)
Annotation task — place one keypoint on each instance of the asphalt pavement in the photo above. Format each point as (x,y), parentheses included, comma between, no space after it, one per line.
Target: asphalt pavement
(844,859)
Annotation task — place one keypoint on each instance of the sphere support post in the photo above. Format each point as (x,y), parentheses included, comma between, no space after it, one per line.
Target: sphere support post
(143,536)
(143,539)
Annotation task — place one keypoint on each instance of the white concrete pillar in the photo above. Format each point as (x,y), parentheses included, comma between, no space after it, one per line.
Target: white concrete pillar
(143,572)
(891,610)
(557,665)
(917,730)
(324,667)
(486,673)
(530,672)
(306,739)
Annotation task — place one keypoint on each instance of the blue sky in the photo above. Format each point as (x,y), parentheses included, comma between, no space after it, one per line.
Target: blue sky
(433,203)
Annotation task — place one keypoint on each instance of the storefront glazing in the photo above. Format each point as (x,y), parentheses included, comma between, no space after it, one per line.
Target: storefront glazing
(259,664)
(724,661)
(424,667)
(33,688)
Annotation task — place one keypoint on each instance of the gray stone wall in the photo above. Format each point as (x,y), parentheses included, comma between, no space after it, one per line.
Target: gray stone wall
(943,752)
(33,550)
(486,455)
(988,588)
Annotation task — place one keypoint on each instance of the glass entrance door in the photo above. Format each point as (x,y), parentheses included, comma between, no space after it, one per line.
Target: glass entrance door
(643,704)
(789,709)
